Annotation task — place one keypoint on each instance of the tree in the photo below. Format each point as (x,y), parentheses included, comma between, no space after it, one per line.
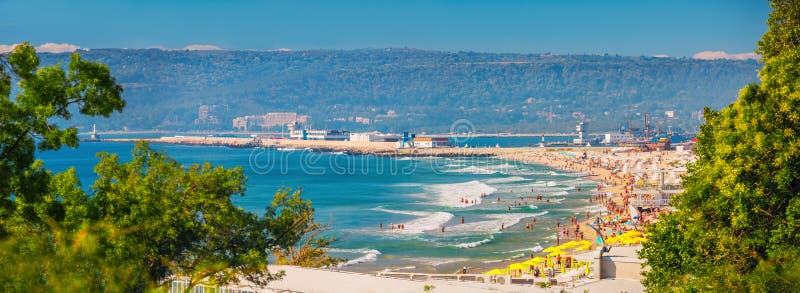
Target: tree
(736,223)
(297,235)
(180,220)
(43,94)
(142,222)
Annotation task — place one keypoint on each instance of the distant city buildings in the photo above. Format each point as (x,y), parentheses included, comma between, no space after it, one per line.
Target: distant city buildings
(698,115)
(209,114)
(363,120)
(263,122)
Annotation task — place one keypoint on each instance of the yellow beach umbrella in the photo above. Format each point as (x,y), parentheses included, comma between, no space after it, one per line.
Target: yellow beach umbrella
(535,261)
(551,249)
(497,272)
(614,239)
(632,233)
(632,240)
(519,266)
(570,244)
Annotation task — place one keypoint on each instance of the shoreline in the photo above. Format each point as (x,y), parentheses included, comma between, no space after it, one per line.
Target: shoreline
(561,158)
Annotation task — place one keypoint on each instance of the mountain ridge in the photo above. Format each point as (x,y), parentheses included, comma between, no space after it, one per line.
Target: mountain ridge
(428,90)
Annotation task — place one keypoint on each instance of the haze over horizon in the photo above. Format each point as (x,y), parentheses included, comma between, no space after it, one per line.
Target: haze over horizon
(705,30)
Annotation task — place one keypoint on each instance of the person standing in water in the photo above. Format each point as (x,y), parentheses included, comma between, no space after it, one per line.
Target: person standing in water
(462,219)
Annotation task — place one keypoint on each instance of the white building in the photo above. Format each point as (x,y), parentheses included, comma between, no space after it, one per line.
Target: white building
(616,137)
(431,142)
(373,137)
(305,134)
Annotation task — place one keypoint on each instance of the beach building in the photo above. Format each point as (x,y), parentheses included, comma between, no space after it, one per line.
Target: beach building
(320,134)
(431,142)
(406,141)
(373,137)
(582,138)
(616,137)
(208,114)
(271,119)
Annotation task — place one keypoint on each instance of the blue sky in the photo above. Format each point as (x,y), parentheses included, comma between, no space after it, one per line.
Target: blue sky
(636,27)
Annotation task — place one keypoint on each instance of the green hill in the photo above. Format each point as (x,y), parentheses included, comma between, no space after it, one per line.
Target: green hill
(428,90)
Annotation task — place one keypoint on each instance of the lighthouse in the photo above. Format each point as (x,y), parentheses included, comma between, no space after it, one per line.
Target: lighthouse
(93,136)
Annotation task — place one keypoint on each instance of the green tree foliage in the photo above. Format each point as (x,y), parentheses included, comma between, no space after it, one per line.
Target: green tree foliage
(290,219)
(26,123)
(180,220)
(142,221)
(736,224)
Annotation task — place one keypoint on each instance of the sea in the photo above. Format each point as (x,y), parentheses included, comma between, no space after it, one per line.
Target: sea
(364,198)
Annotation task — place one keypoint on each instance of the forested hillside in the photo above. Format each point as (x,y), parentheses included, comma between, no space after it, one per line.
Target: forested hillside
(427,90)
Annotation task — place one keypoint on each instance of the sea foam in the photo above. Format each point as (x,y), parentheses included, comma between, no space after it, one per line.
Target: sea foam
(472,170)
(369,255)
(451,194)
(476,243)
(494,222)
(428,222)
(506,180)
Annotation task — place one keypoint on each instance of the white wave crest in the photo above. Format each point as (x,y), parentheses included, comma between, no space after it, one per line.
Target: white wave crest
(534,249)
(506,180)
(451,194)
(494,223)
(370,255)
(473,170)
(410,213)
(429,222)
(475,244)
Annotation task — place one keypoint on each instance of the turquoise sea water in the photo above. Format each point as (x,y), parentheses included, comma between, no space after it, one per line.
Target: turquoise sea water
(355,194)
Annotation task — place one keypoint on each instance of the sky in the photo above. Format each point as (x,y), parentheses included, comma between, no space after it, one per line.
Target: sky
(705,29)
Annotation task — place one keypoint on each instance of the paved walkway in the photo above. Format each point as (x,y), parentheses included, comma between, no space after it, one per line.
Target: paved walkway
(314,281)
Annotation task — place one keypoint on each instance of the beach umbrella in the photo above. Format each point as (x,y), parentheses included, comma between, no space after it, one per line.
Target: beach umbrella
(535,261)
(632,233)
(570,244)
(614,239)
(497,272)
(586,246)
(551,249)
(519,266)
(632,240)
